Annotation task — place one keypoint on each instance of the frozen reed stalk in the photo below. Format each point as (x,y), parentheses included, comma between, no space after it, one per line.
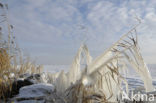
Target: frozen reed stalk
(66,79)
(137,62)
(101,80)
(61,82)
(75,72)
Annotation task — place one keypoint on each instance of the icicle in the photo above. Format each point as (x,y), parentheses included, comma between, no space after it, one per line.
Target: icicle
(140,67)
(74,73)
(144,72)
(61,82)
(102,76)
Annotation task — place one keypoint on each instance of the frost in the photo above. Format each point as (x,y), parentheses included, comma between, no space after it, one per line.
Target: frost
(102,78)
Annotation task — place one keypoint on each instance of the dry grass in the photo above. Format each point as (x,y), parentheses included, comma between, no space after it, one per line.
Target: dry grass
(10,69)
(28,67)
(12,64)
(4,72)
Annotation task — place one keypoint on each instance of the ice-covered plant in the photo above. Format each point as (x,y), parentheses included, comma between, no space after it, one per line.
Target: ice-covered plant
(102,80)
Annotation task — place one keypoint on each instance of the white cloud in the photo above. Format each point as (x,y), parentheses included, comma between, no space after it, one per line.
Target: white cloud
(51,23)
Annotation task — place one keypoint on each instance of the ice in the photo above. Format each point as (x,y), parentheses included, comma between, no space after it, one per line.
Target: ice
(64,80)
(74,73)
(105,73)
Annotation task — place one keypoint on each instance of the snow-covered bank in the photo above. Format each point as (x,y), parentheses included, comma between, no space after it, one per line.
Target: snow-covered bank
(40,93)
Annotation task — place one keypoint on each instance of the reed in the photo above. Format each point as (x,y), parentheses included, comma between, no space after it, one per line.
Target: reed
(4,72)
(12,62)
(101,80)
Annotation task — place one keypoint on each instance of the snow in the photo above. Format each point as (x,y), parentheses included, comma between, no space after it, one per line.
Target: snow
(36,90)
(31,101)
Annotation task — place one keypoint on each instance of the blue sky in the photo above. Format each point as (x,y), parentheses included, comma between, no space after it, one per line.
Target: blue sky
(51,31)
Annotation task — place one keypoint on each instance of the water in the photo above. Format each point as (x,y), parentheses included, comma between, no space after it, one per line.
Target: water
(133,79)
